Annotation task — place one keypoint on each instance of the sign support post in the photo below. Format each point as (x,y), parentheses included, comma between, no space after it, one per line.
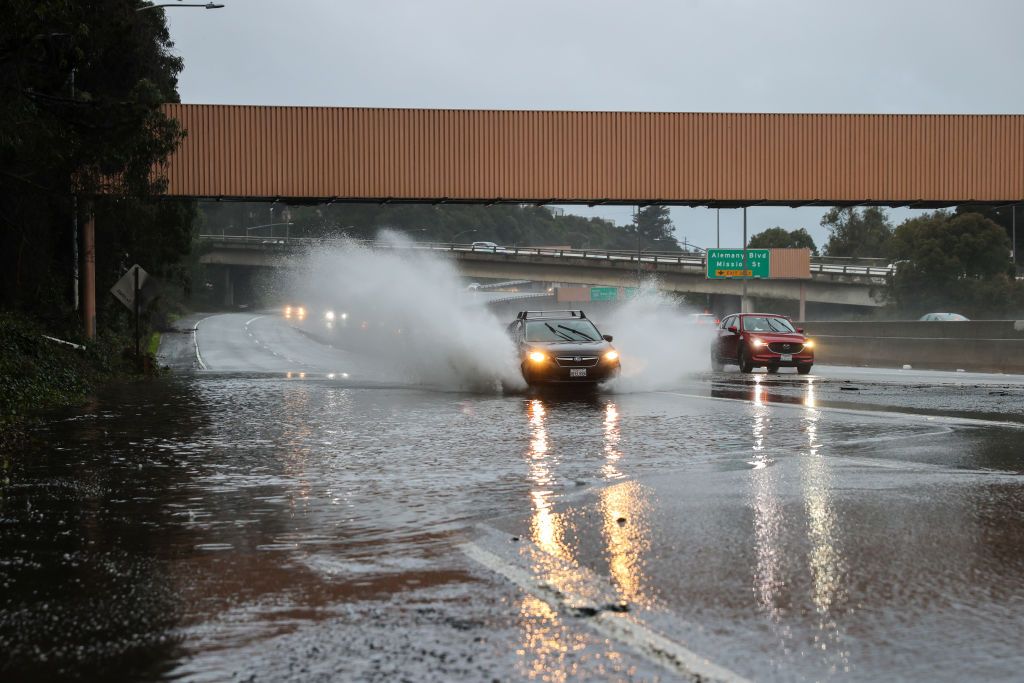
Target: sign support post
(136,302)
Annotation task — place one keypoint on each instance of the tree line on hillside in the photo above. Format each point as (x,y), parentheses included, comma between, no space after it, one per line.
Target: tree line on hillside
(504,224)
(943,260)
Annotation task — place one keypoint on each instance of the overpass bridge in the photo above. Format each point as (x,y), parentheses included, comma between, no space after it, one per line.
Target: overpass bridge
(848,282)
(345,154)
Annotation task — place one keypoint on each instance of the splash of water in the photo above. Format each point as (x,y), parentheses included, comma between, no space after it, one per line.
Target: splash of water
(659,342)
(408,308)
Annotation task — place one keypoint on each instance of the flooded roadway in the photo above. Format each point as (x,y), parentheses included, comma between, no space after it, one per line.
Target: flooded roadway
(294,511)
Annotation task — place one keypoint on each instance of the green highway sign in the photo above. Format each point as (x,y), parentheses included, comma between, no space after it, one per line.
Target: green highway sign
(604,293)
(728,263)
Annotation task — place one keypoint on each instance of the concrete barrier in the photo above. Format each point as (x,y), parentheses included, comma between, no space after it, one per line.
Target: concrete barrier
(977,345)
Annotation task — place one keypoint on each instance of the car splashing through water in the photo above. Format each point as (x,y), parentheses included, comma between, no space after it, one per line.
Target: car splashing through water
(409,308)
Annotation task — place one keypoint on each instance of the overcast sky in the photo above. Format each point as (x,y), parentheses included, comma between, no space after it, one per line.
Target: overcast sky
(839,56)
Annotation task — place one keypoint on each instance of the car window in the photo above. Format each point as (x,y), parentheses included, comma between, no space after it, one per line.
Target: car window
(561,330)
(764,323)
(729,322)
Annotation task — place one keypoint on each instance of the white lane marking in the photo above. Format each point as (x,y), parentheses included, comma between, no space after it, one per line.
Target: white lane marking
(195,342)
(652,646)
(250,320)
(930,419)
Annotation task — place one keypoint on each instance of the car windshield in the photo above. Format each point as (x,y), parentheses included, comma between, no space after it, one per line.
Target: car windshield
(561,330)
(764,323)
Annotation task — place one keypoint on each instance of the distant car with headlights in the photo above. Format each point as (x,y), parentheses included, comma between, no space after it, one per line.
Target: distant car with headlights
(766,340)
(562,347)
(294,311)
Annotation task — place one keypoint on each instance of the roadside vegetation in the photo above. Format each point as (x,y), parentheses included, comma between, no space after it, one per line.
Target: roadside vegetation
(945,261)
(41,374)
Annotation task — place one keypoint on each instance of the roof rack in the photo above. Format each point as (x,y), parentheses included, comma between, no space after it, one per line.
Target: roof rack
(538,315)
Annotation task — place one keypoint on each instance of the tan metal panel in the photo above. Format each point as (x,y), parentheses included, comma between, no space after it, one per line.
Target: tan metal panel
(789,264)
(420,154)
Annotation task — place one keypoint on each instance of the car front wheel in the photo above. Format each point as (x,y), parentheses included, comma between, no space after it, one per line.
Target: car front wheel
(803,369)
(716,363)
(746,366)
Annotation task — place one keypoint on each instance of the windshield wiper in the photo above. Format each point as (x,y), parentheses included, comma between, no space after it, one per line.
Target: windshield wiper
(563,335)
(587,337)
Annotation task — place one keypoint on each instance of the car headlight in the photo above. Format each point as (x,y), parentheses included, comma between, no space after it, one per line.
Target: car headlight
(809,344)
(611,355)
(344,316)
(757,343)
(329,316)
(538,357)
(301,312)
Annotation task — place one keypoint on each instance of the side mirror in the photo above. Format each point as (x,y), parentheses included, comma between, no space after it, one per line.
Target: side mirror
(607,337)
(800,330)
(732,328)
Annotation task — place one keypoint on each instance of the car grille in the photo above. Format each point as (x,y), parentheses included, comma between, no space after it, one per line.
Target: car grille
(785,347)
(576,361)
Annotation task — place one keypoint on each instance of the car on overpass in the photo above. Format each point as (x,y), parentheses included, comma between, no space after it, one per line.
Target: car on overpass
(766,340)
(944,317)
(562,348)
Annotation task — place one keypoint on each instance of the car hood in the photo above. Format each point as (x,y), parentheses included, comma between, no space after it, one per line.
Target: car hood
(784,337)
(572,348)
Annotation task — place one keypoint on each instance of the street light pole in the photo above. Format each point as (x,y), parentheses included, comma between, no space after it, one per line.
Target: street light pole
(639,253)
(743,300)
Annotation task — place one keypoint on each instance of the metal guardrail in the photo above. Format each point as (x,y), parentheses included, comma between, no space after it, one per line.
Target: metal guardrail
(876,267)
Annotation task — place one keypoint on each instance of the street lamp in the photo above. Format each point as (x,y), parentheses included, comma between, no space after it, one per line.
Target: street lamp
(208,5)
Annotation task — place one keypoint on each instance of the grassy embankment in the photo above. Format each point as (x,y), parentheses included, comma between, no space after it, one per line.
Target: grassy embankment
(38,374)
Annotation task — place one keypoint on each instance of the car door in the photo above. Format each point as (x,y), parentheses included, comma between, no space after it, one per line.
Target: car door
(728,340)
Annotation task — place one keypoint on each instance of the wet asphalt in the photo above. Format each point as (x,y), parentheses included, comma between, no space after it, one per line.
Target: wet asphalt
(279,508)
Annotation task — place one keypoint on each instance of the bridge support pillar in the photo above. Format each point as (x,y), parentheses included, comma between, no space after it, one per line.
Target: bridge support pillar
(229,287)
(803,302)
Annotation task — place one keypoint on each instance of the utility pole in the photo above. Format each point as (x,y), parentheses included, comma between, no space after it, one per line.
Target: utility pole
(74,224)
(718,228)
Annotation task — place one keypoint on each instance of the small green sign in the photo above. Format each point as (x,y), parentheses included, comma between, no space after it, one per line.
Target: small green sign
(604,293)
(728,263)
(630,292)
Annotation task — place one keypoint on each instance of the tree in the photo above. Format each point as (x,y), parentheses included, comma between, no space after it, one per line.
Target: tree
(103,138)
(1002,215)
(861,234)
(780,238)
(953,262)
(655,225)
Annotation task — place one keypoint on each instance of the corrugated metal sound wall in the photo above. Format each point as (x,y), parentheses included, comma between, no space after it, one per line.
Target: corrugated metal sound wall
(530,156)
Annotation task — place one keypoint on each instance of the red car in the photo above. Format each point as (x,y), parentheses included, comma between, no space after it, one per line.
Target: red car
(765,340)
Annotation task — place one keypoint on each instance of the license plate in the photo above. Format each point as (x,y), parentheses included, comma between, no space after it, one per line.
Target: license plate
(577,372)
(787,356)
